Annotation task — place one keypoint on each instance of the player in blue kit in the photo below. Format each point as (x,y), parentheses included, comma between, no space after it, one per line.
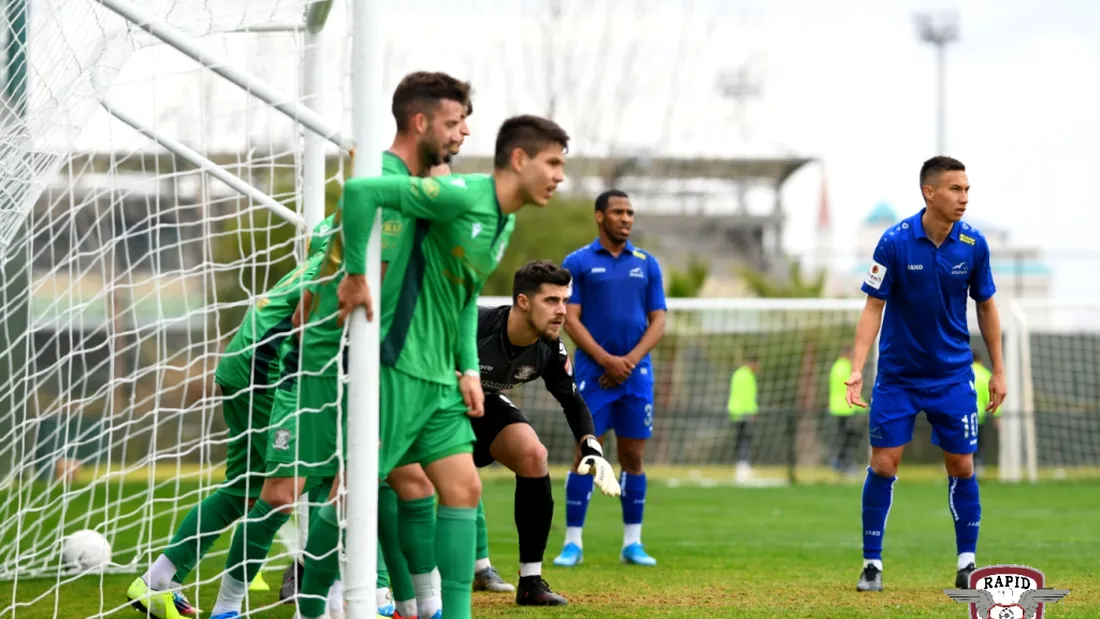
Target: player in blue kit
(616,316)
(921,274)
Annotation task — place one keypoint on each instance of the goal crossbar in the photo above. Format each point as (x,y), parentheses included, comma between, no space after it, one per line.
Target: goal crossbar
(260,89)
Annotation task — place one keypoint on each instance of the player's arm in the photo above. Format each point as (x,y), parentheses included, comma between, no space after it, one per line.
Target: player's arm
(656,311)
(559,382)
(982,290)
(413,197)
(876,285)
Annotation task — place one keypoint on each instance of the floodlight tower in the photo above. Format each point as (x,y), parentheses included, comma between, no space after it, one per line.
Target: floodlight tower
(740,86)
(939,29)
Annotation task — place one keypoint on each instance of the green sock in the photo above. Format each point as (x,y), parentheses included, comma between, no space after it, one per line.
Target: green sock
(382,575)
(417,534)
(322,562)
(389,544)
(482,533)
(261,525)
(201,527)
(455,546)
(317,496)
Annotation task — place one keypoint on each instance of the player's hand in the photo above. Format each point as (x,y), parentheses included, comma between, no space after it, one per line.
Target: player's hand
(593,463)
(472,395)
(352,293)
(998,386)
(855,388)
(618,369)
(300,312)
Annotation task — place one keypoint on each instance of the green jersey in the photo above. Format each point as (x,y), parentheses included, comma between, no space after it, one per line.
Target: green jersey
(321,341)
(429,296)
(394,224)
(838,389)
(252,357)
(981,386)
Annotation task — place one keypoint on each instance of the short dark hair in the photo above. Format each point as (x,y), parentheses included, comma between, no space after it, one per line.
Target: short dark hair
(531,133)
(604,199)
(938,165)
(531,276)
(421,91)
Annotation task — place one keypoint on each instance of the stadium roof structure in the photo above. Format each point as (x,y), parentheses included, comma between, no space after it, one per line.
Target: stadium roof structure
(771,170)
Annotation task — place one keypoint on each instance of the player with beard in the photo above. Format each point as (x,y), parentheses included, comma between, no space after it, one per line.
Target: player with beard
(516,344)
(616,316)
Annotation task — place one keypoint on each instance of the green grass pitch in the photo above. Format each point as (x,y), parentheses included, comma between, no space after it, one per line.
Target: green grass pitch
(738,552)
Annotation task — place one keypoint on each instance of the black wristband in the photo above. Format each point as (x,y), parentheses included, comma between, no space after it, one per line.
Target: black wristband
(590,447)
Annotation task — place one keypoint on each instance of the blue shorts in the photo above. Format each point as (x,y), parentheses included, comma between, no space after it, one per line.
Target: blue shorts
(630,416)
(952,410)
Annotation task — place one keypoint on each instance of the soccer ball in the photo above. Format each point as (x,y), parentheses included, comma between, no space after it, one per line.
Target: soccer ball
(85,551)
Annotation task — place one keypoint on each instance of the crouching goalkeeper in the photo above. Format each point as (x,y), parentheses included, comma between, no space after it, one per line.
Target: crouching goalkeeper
(516,344)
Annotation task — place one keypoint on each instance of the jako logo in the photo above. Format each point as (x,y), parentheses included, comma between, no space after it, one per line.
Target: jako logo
(1006,592)
(916,267)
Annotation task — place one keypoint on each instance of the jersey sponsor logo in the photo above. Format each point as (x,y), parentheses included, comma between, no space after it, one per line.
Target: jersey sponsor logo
(637,272)
(525,373)
(598,270)
(431,187)
(960,269)
(969,240)
(282,440)
(391,227)
(1007,592)
(486,368)
(639,254)
(875,275)
(916,267)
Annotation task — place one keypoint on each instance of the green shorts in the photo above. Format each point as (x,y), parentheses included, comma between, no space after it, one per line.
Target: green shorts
(419,421)
(302,437)
(247,413)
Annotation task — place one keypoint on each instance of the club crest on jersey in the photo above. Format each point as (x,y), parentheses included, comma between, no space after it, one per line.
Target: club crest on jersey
(1007,592)
(282,440)
(391,227)
(431,187)
(524,372)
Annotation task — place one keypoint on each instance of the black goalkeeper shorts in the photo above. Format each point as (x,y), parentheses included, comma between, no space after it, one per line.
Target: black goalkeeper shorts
(499,414)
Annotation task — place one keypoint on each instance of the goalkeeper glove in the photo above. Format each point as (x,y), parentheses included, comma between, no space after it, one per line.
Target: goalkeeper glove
(593,463)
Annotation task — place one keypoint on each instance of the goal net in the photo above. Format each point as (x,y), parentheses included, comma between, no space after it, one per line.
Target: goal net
(1060,399)
(146,203)
(702,430)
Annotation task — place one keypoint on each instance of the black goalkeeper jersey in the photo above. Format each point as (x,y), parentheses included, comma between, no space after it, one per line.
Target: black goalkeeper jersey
(503,366)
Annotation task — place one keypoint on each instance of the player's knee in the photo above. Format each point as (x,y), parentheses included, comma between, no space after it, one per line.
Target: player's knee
(279,493)
(959,465)
(533,461)
(885,463)
(460,491)
(631,461)
(411,483)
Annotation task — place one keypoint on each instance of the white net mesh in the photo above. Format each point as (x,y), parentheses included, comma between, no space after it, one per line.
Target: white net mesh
(127,271)
(1061,394)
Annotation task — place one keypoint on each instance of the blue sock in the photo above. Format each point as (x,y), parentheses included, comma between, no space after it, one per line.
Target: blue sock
(878,493)
(633,497)
(966,509)
(578,490)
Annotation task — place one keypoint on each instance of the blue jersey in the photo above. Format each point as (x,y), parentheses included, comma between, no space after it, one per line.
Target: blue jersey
(616,294)
(925,340)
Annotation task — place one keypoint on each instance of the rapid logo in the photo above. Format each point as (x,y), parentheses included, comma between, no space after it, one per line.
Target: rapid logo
(1007,592)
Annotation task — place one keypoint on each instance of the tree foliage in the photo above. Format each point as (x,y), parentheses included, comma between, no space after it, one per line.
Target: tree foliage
(687,282)
(795,286)
(549,233)
(260,246)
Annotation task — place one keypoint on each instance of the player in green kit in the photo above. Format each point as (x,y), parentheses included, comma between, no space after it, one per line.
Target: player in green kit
(429,131)
(302,440)
(246,376)
(429,325)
